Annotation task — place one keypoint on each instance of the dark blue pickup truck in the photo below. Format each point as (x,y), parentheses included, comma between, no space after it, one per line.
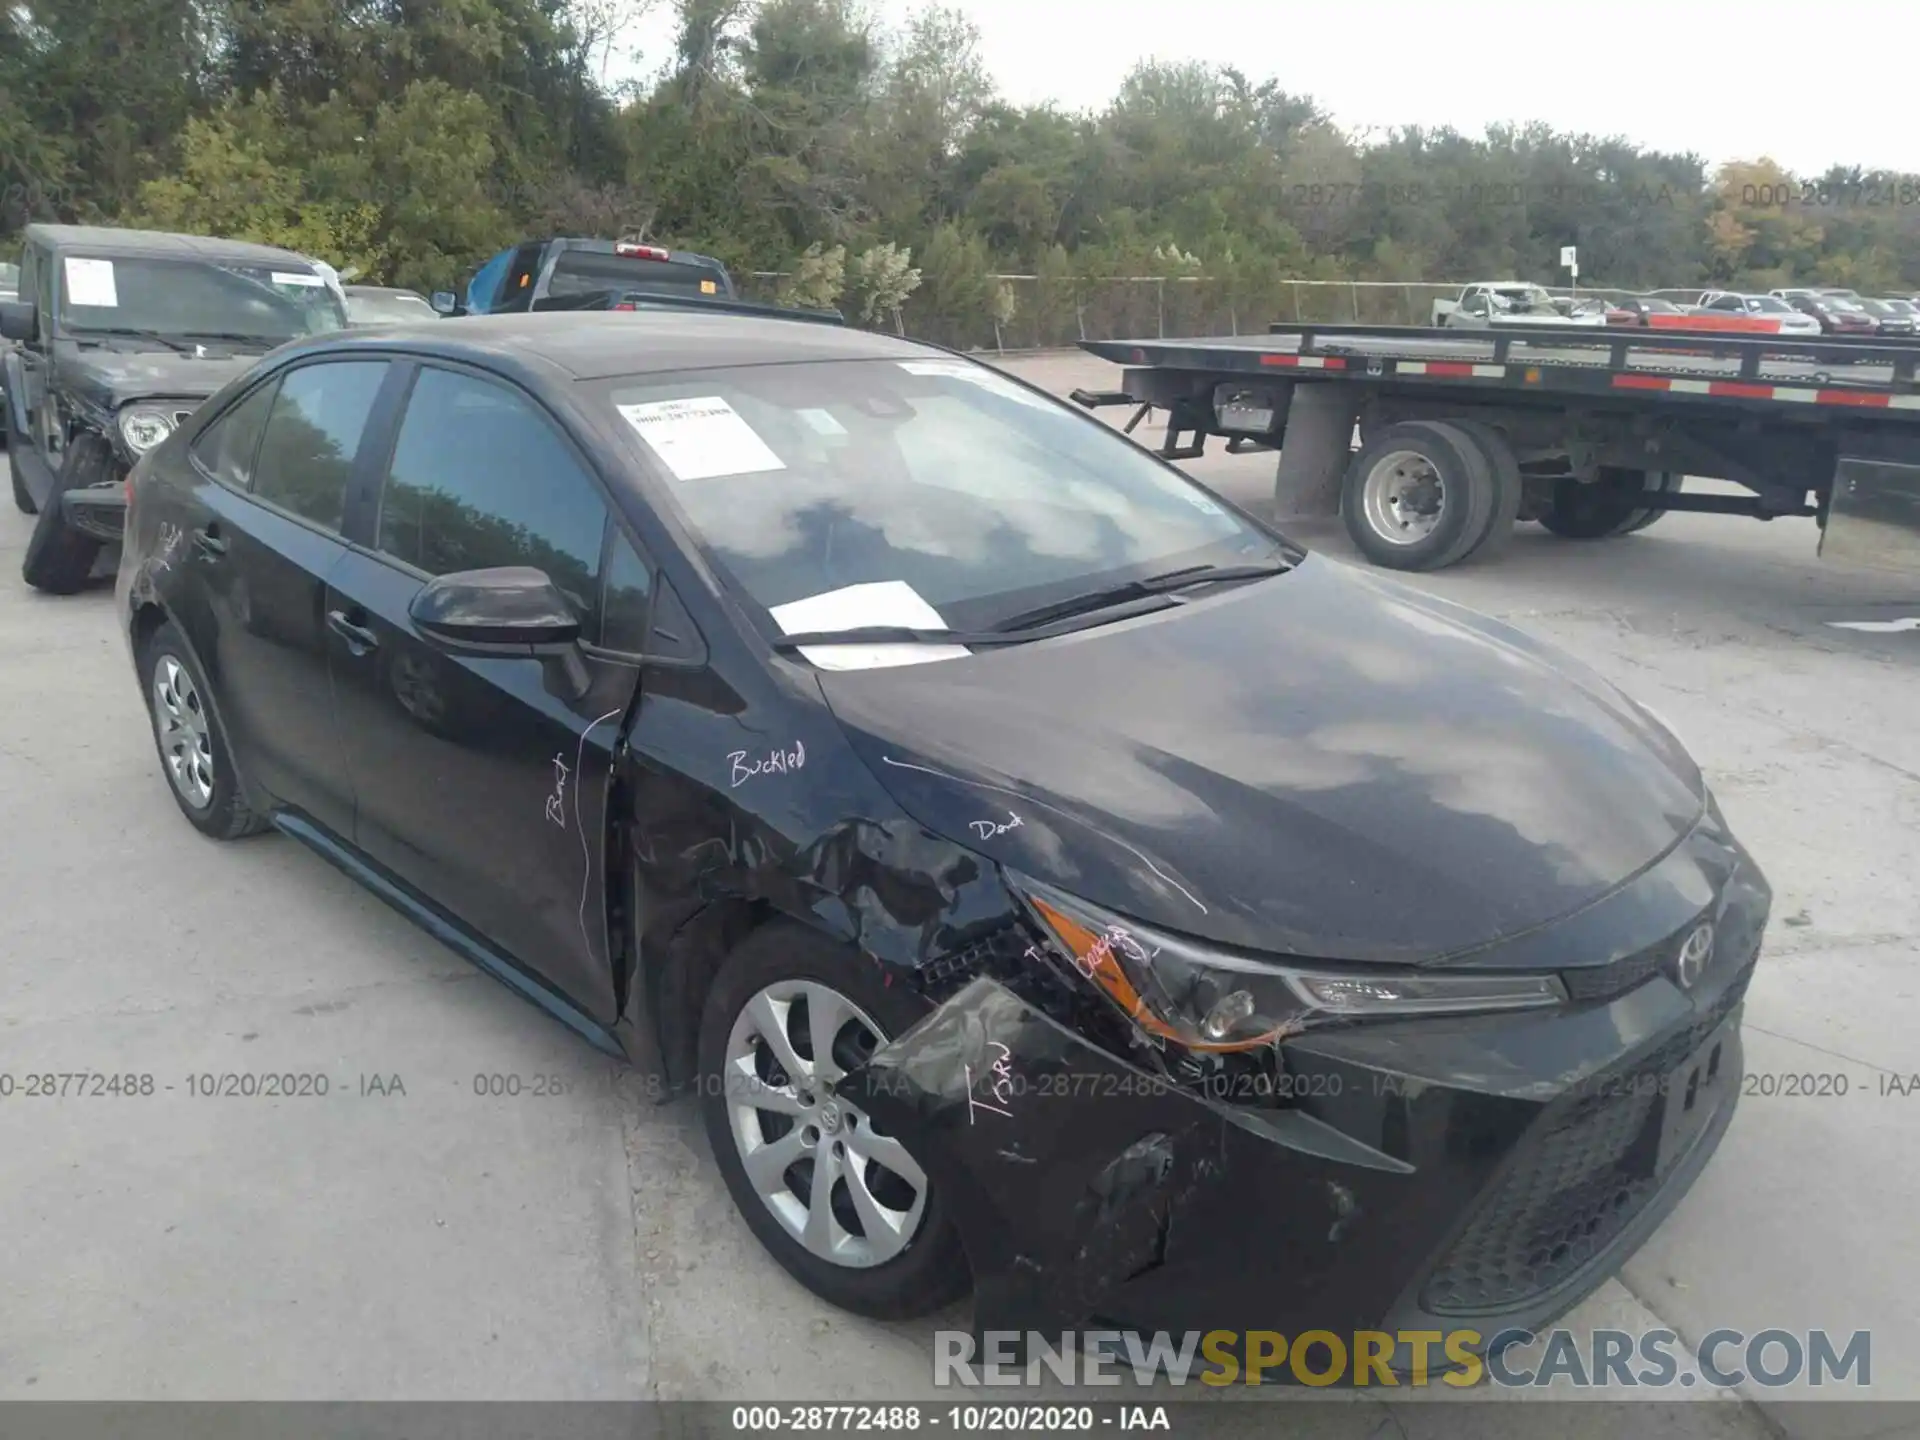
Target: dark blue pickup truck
(561,274)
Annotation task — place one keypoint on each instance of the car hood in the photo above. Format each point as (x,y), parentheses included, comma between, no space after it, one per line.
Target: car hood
(116,378)
(1325,763)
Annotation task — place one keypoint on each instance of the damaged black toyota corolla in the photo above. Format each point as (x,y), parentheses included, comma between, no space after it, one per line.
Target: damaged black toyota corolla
(1050,879)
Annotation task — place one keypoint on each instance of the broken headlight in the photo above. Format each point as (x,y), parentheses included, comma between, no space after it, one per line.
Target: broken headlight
(1181,990)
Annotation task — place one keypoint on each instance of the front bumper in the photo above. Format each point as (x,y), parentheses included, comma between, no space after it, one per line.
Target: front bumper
(99,511)
(1482,1173)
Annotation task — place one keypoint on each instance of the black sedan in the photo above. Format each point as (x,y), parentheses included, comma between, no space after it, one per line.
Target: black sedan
(1049,879)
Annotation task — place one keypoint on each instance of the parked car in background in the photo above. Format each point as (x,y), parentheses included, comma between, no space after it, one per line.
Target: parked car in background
(1636,309)
(119,335)
(1886,318)
(1908,308)
(1836,316)
(384,305)
(1509,302)
(558,270)
(1788,321)
(9,290)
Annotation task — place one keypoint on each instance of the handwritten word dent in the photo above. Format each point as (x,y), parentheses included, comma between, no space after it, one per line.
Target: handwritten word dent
(987,829)
(557,802)
(779,762)
(999,1083)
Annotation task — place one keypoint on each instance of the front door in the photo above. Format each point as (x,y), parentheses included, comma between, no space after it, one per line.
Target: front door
(482,781)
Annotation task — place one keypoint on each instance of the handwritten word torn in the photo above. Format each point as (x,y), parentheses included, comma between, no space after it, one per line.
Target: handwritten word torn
(779,762)
(997,1082)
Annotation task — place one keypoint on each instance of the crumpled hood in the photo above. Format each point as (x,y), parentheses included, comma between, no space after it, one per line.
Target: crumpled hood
(115,378)
(1325,764)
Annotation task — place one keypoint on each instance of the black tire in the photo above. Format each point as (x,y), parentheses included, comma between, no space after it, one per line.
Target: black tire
(225,814)
(1604,508)
(1463,504)
(1665,482)
(59,558)
(1508,487)
(22,497)
(930,1273)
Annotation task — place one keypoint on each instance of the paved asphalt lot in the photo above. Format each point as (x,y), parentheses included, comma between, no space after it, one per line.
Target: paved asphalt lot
(436,1244)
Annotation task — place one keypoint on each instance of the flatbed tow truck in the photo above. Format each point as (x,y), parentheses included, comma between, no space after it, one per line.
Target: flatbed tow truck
(1431,443)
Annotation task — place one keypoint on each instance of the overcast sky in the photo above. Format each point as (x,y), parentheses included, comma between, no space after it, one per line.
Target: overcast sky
(1725,80)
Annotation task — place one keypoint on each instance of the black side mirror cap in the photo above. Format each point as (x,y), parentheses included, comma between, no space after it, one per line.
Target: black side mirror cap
(444,303)
(512,607)
(17,320)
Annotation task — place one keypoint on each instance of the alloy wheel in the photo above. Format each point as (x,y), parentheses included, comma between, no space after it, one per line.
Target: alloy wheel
(186,740)
(848,1193)
(1403,497)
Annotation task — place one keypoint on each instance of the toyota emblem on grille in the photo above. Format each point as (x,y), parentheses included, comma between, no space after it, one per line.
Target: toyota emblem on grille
(1694,956)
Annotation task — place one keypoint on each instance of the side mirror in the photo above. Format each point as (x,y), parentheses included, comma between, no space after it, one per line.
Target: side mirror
(443,302)
(514,607)
(16,320)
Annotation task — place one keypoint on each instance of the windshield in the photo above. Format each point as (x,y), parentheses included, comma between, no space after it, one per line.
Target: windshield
(980,497)
(582,272)
(186,298)
(384,309)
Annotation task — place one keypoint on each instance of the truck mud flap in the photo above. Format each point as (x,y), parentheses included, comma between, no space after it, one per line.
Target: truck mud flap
(1064,1169)
(1874,516)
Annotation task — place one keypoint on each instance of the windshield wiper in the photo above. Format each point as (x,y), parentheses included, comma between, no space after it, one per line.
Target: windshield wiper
(235,338)
(1164,584)
(899,635)
(117,333)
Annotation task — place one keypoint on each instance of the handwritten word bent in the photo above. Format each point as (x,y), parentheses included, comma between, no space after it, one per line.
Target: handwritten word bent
(557,802)
(999,1083)
(780,762)
(987,829)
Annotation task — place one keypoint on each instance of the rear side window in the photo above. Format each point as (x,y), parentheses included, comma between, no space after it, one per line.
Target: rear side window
(312,434)
(480,478)
(226,448)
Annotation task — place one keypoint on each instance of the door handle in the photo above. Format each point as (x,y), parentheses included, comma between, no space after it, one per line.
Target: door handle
(359,639)
(210,542)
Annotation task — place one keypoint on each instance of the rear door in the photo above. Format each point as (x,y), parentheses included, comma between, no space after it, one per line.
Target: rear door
(258,536)
(482,780)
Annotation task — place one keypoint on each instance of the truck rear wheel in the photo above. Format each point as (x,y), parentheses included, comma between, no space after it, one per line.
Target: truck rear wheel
(1603,508)
(1503,468)
(1417,496)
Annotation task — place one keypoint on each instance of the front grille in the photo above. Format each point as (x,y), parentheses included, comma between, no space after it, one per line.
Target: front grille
(1576,1188)
(1616,978)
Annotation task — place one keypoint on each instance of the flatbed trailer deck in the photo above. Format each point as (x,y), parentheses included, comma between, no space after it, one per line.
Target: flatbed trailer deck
(1589,432)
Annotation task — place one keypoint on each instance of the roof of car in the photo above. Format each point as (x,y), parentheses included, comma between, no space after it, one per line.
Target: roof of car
(159,243)
(595,345)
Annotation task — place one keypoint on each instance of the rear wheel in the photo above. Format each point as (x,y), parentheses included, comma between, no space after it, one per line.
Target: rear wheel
(1417,496)
(59,558)
(1503,468)
(840,1204)
(1606,507)
(193,752)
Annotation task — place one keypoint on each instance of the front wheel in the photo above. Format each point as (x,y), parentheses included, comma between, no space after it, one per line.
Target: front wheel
(22,497)
(840,1203)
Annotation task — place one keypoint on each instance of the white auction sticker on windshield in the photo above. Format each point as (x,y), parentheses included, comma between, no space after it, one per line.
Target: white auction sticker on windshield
(853,607)
(702,438)
(90,282)
(294,277)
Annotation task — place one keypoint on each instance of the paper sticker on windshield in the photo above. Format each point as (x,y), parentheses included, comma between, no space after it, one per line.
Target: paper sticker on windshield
(90,282)
(882,602)
(821,422)
(294,277)
(1201,503)
(991,381)
(700,439)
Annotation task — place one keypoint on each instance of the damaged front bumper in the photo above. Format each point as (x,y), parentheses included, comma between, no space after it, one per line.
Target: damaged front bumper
(1482,1173)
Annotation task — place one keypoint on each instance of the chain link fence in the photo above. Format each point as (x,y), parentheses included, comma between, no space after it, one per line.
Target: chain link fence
(1055,313)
